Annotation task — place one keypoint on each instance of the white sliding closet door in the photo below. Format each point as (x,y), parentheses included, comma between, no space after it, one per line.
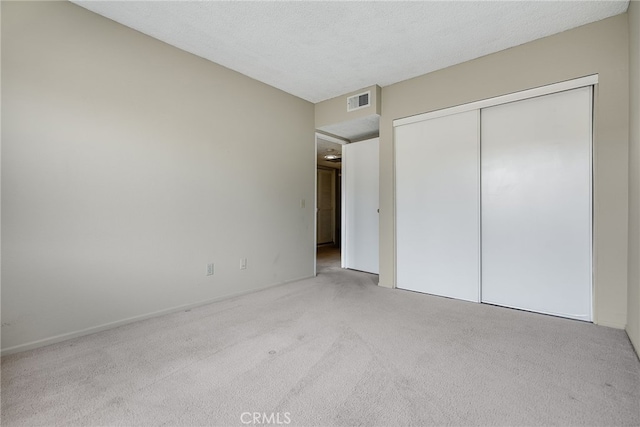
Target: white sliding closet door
(536,204)
(437,206)
(360,194)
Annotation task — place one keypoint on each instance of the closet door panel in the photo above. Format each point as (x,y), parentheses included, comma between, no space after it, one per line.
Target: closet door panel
(437,206)
(536,204)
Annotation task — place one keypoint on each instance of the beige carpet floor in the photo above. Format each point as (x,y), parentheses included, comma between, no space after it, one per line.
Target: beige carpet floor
(332,350)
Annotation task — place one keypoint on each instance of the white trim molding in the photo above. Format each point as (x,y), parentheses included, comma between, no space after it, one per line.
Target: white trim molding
(503,99)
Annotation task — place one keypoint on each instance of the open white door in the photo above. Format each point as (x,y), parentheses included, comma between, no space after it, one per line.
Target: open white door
(360,162)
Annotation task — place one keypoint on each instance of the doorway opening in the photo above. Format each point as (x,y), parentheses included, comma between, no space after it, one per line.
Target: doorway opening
(347,204)
(328,202)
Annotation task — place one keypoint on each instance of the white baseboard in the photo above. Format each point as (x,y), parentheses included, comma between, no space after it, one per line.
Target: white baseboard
(94,329)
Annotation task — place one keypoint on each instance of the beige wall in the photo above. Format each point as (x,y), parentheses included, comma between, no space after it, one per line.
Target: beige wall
(128,165)
(334,110)
(633,302)
(602,48)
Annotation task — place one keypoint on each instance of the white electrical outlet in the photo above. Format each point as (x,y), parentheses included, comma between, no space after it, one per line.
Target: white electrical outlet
(243,263)
(303,203)
(210,269)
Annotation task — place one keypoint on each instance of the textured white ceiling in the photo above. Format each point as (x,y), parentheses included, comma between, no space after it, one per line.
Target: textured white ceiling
(319,50)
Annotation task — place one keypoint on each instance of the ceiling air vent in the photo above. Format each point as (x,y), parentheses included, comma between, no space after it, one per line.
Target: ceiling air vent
(358,101)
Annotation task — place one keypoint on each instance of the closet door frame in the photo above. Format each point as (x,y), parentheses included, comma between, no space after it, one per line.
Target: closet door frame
(503,99)
(581,82)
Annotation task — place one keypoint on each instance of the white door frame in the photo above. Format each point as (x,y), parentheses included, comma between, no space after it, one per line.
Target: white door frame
(503,99)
